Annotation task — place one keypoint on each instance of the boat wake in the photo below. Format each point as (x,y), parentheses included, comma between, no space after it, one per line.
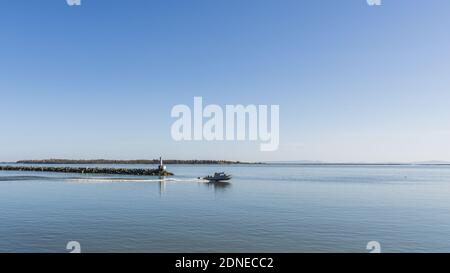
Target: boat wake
(23,178)
(129,180)
(99,179)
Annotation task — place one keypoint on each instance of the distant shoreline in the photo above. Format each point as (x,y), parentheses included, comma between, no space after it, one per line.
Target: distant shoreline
(139,161)
(211,162)
(359,164)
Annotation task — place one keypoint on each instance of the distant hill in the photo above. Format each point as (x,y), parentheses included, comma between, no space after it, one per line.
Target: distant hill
(308,162)
(139,161)
(296,162)
(432,162)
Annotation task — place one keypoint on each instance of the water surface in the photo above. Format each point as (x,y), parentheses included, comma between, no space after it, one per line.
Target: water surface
(265,208)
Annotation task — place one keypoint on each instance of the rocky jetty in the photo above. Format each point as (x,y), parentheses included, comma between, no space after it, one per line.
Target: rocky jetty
(87,170)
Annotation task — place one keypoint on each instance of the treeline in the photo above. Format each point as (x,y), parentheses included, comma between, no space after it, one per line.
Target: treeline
(139,161)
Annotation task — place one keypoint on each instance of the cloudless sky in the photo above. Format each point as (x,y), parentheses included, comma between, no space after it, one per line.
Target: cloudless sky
(354,82)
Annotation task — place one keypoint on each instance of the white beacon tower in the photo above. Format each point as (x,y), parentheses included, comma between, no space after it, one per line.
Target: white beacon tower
(162,167)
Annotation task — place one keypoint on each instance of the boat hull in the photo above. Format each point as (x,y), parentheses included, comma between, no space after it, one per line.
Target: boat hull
(214,179)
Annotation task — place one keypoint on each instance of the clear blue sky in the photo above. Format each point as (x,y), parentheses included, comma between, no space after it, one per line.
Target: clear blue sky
(354,82)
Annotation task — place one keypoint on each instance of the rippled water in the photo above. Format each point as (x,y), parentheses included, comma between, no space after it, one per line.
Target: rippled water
(265,208)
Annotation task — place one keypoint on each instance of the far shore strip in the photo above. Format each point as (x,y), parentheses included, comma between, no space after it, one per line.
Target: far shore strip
(138,161)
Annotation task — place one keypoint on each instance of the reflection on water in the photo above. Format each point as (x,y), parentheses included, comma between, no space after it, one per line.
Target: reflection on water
(162,186)
(218,186)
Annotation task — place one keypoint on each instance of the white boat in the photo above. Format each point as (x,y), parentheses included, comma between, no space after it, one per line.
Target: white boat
(218,177)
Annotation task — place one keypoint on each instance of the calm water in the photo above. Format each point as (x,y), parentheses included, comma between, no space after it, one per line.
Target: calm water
(273,208)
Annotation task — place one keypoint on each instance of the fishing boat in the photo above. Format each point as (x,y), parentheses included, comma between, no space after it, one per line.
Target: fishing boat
(217,177)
